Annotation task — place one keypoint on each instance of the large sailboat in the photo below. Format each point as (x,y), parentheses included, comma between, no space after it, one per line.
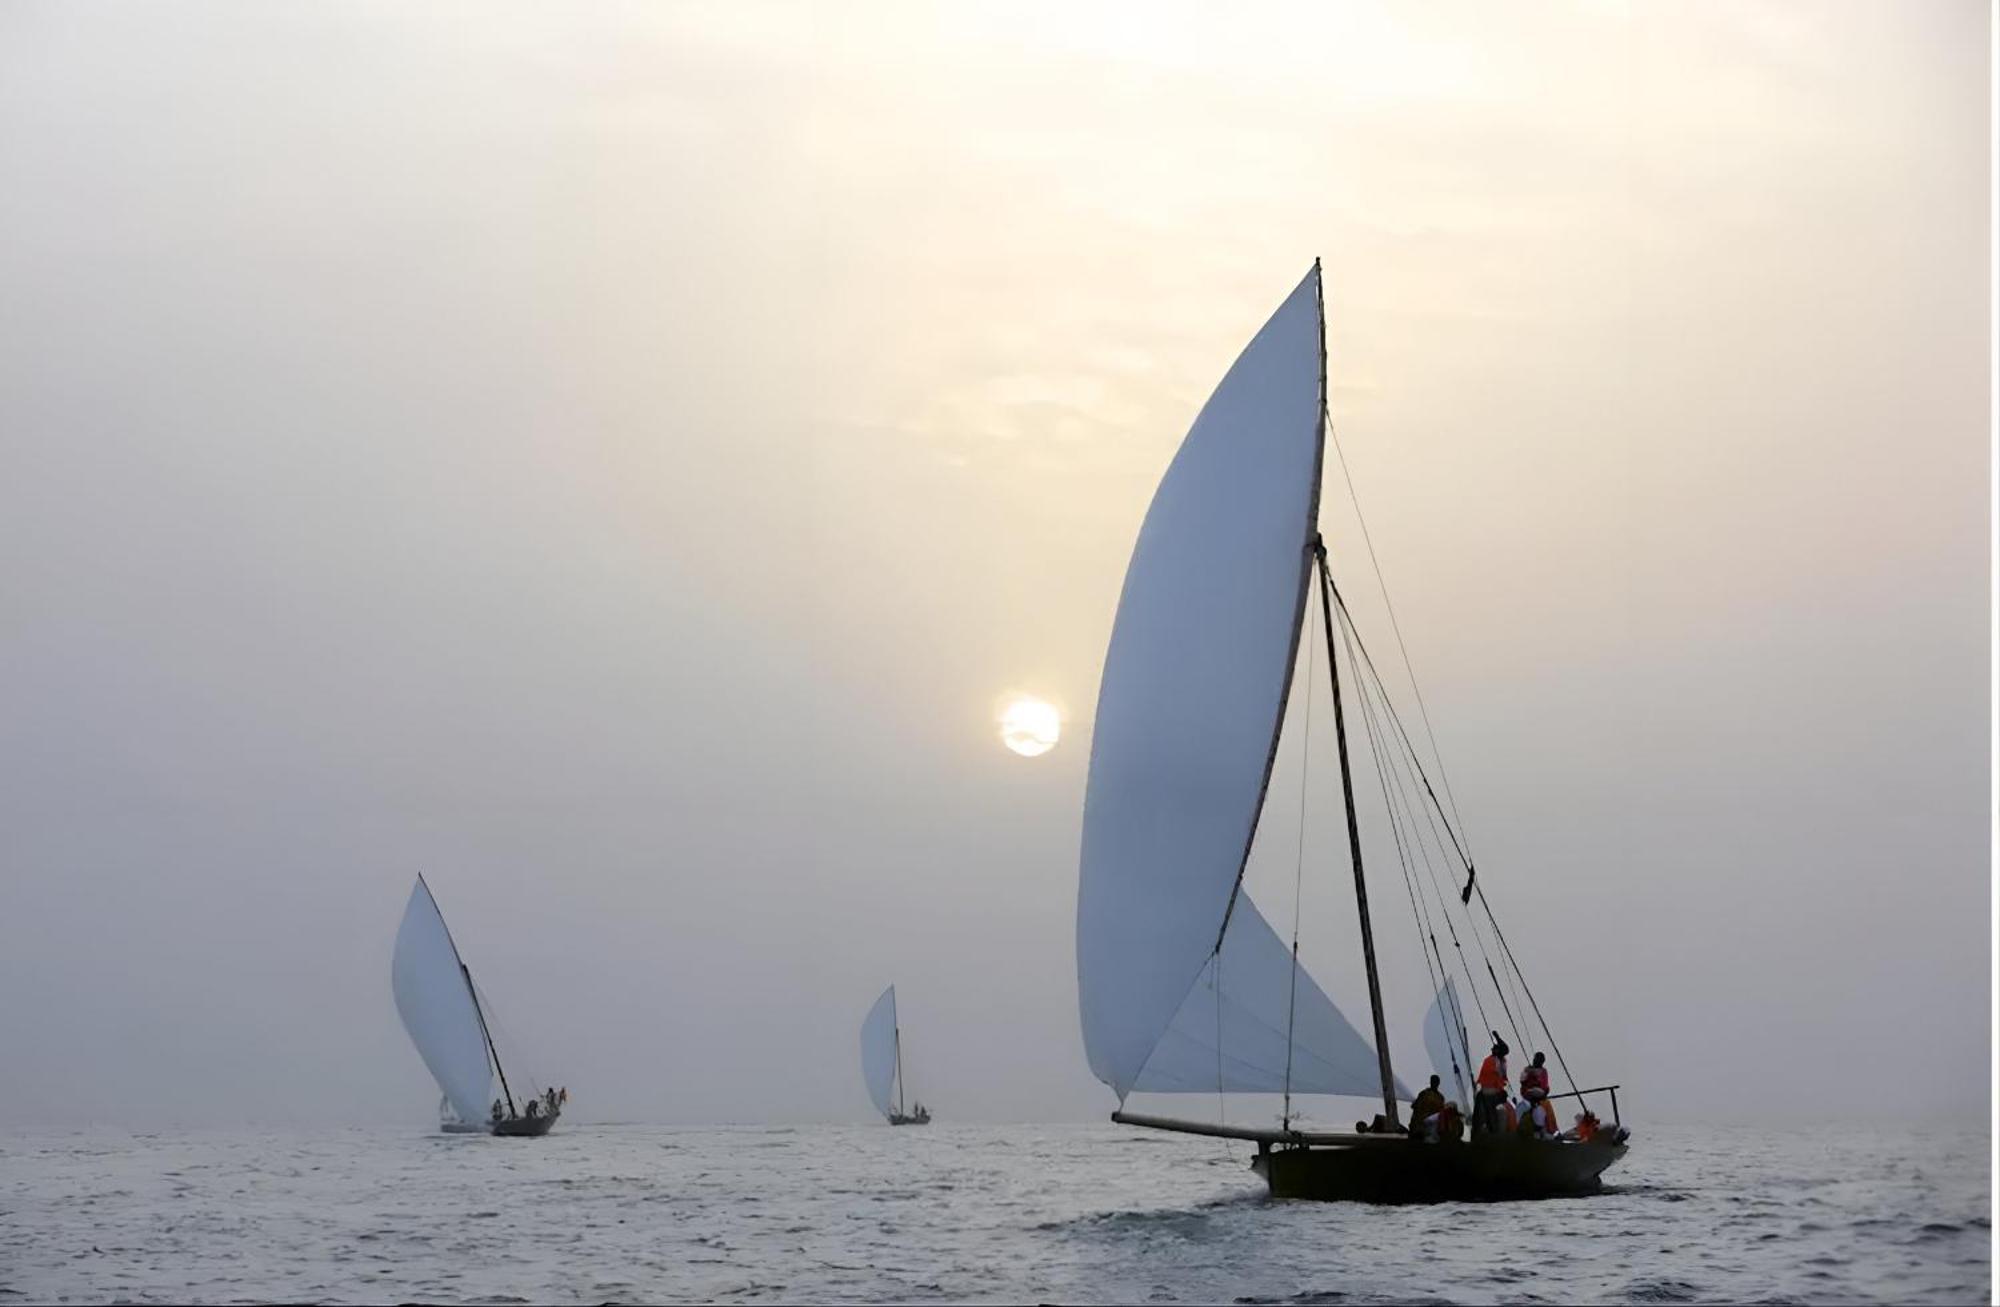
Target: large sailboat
(882,1063)
(1184,985)
(441,1011)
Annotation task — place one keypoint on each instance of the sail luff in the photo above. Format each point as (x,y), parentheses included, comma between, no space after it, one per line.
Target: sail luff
(880,1053)
(1194,688)
(1306,547)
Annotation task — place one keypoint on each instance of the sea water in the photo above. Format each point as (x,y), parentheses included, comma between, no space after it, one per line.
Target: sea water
(1097,1213)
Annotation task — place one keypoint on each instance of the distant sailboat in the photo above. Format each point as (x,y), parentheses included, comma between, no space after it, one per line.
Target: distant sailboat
(1183,984)
(882,1063)
(449,1122)
(441,1011)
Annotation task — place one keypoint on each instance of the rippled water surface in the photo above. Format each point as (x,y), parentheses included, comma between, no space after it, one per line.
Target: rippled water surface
(1035,1213)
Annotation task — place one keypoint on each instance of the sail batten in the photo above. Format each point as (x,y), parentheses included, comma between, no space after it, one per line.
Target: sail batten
(1193,694)
(436,1005)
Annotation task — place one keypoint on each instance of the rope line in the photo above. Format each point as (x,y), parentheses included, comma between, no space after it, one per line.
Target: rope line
(1299,870)
(1375,562)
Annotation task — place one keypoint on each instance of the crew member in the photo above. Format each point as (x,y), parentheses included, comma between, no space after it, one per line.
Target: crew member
(1427,1104)
(1492,1088)
(1535,1080)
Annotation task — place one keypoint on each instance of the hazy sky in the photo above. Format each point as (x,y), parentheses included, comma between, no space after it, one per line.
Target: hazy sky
(614,459)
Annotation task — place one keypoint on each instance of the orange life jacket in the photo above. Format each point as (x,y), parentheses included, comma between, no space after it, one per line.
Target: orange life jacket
(1534,1077)
(1511,1117)
(1586,1128)
(1493,1074)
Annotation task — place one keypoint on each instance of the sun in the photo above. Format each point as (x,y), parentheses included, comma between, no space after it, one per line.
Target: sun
(1029,726)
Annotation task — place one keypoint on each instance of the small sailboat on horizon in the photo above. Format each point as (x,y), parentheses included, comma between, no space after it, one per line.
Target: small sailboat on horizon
(441,1011)
(882,1063)
(1184,986)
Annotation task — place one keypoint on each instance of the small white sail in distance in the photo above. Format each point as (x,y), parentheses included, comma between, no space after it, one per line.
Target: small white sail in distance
(436,1005)
(1444,1043)
(878,1052)
(1193,693)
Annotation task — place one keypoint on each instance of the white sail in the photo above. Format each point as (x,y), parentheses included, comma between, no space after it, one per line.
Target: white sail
(878,1052)
(1444,1043)
(436,1007)
(1244,995)
(1193,692)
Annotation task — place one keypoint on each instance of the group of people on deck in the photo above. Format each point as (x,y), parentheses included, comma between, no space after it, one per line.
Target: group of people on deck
(1494,1111)
(548,1103)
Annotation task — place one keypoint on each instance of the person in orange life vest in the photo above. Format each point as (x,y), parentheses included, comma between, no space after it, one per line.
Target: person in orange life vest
(1586,1127)
(1491,1092)
(1535,1081)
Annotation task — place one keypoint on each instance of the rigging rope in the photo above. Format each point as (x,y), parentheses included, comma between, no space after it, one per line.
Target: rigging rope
(1419,914)
(1299,871)
(1326,412)
(1516,975)
(1434,815)
(1431,870)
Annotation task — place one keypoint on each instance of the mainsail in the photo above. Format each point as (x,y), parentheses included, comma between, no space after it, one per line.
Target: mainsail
(435,1001)
(878,1052)
(1193,694)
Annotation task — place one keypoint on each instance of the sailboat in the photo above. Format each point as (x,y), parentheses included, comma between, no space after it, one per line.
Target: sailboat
(882,1063)
(449,1123)
(1184,985)
(441,1011)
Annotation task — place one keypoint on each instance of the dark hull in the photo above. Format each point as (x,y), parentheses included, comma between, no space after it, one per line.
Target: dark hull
(908,1120)
(1392,1169)
(526,1127)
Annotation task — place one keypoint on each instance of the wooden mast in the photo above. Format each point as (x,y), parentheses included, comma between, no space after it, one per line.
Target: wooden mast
(1354,845)
(491,1051)
(1340,736)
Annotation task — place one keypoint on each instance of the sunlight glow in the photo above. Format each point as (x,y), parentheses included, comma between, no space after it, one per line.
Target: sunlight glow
(1030,727)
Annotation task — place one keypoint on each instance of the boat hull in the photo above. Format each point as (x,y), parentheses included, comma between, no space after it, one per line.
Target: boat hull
(908,1120)
(1394,1169)
(525,1127)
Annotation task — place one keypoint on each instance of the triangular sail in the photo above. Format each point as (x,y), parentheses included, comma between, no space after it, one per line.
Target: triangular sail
(437,1009)
(1193,692)
(878,1052)
(1444,1042)
(1244,996)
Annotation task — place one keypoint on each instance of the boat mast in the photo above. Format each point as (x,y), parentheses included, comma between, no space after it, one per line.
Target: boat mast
(1354,844)
(1346,780)
(494,1053)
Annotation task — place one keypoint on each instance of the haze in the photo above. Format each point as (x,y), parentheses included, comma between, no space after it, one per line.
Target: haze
(615,460)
